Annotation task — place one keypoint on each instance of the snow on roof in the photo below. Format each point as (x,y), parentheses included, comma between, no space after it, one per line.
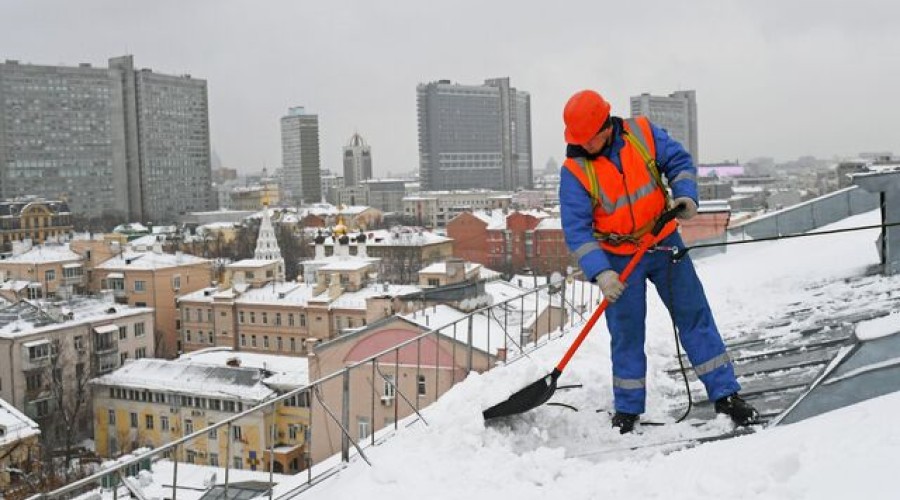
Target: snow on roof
(15,425)
(132,260)
(195,378)
(496,219)
(847,453)
(357,300)
(286,371)
(441,268)
(402,236)
(484,338)
(550,223)
(254,263)
(347,264)
(45,254)
(33,317)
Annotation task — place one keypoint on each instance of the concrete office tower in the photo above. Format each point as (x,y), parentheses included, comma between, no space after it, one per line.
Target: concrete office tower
(357,161)
(300,156)
(110,141)
(167,129)
(474,136)
(676,113)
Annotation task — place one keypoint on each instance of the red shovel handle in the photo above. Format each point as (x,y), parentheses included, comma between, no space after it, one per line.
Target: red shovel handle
(644,245)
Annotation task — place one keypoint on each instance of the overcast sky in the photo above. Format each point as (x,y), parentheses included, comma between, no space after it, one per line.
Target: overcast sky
(778,78)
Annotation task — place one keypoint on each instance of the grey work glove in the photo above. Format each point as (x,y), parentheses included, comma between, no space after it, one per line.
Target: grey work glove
(690,207)
(609,284)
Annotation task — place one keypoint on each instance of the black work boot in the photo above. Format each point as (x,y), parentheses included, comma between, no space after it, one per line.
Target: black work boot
(624,422)
(739,410)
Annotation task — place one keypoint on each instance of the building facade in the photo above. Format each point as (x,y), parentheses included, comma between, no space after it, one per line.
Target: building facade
(474,136)
(33,219)
(109,141)
(433,209)
(357,161)
(677,113)
(300,157)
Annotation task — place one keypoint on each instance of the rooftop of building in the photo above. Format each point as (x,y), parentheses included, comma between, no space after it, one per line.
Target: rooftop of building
(441,268)
(190,377)
(398,236)
(284,371)
(47,253)
(131,260)
(15,425)
(28,317)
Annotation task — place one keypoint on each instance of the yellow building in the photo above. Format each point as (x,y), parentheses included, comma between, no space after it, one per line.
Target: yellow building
(151,402)
(36,220)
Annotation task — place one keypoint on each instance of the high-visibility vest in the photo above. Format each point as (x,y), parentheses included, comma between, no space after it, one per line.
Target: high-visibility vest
(626,203)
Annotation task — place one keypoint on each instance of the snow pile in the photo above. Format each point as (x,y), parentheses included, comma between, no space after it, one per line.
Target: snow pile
(553,452)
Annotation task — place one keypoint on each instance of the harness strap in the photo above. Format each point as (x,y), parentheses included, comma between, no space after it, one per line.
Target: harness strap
(634,135)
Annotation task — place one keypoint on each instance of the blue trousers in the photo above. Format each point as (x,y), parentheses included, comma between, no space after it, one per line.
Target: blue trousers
(682,293)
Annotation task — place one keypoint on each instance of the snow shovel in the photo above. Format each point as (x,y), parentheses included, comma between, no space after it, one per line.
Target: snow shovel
(539,392)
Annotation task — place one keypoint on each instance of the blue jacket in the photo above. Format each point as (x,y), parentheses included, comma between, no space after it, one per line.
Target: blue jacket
(575,202)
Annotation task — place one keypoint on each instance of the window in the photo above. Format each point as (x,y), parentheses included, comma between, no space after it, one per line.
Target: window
(42,408)
(293,345)
(140,352)
(187,335)
(240,316)
(253,341)
(140,304)
(149,422)
(209,315)
(187,313)
(292,432)
(210,337)
(243,340)
(50,275)
(389,390)
(134,420)
(249,275)
(176,282)
(290,319)
(111,416)
(140,285)
(434,282)
(164,423)
(188,426)
(215,404)
(363,426)
(33,381)
(299,400)
(238,463)
(214,459)
(191,456)
(213,434)
(265,341)
(236,433)
(122,357)
(39,352)
(265,318)
(139,329)
(79,342)
(302,320)
(252,317)
(280,344)
(123,332)
(421,383)
(277,319)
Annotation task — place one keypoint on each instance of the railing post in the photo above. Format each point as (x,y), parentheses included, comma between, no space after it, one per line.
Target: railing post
(562,306)
(175,473)
(471,347)
(272,451)
(396,392)
(227,457)
(374,395)
(345,416)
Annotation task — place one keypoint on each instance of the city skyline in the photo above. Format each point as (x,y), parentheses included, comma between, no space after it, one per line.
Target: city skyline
(772,80)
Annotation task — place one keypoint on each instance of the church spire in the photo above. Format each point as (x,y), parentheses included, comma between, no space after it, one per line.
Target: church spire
(267,244)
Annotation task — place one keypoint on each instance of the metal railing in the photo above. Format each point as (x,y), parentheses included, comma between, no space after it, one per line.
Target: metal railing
(395,385)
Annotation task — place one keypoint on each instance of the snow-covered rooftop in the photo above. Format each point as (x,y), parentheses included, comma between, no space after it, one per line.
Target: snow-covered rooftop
(45,254)
(195,378)
(403,236)
(15,425)
(31,317)
(441,268)
(357,300)
(286,371)
(149,260)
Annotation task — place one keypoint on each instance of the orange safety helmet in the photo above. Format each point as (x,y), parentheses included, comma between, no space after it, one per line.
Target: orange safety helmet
(584,114)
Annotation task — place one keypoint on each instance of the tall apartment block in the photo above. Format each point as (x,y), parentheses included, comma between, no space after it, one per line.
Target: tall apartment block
(357,161)
(300,156)
(676,113)
(114,140)
(474,136)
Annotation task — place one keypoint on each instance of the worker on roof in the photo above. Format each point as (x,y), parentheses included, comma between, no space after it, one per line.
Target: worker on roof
(611,193)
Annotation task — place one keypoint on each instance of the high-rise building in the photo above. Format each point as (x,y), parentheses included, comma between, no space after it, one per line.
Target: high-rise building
(676,113)
(474,136)
(300,156)
(357,161)
(108,141)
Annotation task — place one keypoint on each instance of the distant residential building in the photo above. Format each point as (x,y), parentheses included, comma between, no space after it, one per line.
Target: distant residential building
(255,197)
(300,156)
(511,242)
(57,347)
(355,217)
(474,136)
(151,278)
(331,183)
(20,449)
(677,113)
(48,270)
(136,143)
(384,194)
(357,161)
(33,219)
(434,209)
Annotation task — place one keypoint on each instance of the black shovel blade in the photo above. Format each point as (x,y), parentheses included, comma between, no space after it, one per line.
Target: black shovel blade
(530,397)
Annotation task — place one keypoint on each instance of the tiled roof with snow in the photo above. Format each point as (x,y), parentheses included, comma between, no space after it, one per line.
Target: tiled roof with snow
(45,254)
(195,378)
(285,370)
(131,260)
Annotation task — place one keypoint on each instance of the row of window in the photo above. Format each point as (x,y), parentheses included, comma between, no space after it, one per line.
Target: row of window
(170,399)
